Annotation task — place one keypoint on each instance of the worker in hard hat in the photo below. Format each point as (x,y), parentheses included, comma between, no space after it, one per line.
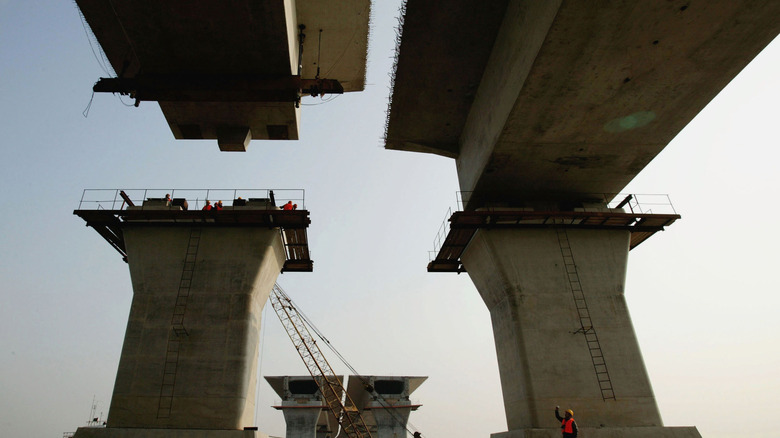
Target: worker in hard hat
(568,426)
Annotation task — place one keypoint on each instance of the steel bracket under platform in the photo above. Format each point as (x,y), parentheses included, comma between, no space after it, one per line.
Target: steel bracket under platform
(291,223)
(464,224)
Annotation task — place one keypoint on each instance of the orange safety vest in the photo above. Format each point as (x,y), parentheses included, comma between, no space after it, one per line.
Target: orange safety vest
(566,425)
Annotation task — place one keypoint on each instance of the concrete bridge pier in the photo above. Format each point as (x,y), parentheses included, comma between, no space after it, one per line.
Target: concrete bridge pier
(306,414)
(302,423)
(384,402)
(562,331)
(189,361)
(390,421)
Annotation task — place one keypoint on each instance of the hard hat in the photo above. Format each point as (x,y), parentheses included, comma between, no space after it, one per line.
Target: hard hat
(570,412)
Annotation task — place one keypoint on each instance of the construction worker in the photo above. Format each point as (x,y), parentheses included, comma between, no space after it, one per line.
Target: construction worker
(207,207)
(568,426)
(288,206)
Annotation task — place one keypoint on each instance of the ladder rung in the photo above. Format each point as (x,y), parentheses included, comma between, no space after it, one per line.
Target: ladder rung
(166,392)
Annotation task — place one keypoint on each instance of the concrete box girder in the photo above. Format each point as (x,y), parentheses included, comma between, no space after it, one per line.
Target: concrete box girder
(575,97)
(246,38)
(442,54)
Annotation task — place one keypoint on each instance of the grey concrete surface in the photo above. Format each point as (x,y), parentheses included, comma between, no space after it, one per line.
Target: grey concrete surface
(574,97)
(301,422)
(214,375)
(543,361)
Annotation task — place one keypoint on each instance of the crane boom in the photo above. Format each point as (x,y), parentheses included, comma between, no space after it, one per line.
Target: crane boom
(329,384)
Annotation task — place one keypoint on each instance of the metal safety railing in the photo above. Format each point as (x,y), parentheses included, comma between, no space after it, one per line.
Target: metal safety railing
(633,203)
(630,203)
(120,199)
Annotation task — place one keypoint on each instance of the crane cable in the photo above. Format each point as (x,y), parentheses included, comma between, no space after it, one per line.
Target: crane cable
(366,385)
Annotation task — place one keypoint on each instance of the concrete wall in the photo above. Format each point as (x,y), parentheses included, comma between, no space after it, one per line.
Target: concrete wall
(301,421)
(519,39)
(523,281)
(215,374)
(390,422)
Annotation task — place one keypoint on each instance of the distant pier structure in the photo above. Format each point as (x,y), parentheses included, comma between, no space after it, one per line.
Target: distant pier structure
(383,402)
(549,109)
(201,278)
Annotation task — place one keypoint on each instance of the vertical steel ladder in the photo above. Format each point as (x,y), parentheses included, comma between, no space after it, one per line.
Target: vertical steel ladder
(586,324)
(178,331)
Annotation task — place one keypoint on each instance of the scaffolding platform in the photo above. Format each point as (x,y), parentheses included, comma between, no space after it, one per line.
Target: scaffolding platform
(464,224)
(125,209)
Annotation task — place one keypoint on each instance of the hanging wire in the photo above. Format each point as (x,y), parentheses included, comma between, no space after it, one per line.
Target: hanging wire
(85,113)
(101,60)
(324,101)
(119,96)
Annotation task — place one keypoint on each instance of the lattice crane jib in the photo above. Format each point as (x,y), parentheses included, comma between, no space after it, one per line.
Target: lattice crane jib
(331,388)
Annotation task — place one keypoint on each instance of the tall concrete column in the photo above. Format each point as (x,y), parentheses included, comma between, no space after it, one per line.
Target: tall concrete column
(189,359)
(562,330)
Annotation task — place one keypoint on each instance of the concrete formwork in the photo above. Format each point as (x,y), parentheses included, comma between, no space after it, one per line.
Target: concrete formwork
(546,350)
(194,376)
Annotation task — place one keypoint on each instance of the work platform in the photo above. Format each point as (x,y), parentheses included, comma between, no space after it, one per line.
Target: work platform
(454,239)
(251,212)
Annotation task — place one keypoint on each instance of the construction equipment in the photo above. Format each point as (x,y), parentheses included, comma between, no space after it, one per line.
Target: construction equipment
(331,388)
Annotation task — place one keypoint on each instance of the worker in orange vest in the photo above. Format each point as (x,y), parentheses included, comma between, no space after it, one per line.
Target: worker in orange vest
(568,426)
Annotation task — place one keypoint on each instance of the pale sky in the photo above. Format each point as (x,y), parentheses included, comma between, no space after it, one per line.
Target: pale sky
(703,295)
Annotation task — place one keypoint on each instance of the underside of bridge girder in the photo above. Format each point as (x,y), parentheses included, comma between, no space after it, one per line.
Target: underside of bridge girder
(545,100)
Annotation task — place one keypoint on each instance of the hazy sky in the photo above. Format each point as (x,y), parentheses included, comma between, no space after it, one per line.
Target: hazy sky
(703,295)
